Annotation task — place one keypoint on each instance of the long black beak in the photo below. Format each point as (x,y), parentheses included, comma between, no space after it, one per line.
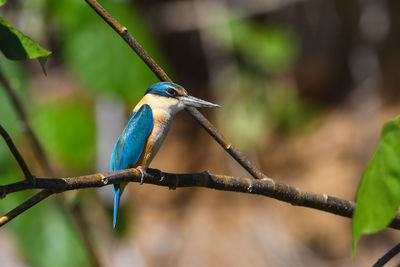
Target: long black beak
(196,102)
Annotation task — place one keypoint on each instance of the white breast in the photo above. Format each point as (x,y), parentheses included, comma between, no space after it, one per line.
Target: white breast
(163,111)
(162,124)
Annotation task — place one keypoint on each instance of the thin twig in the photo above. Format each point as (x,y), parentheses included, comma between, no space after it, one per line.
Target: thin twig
(24,206)
(160,73)
(75,214)
(217,135)
(123,32)
(266,187)
(37,148)
(21,162)
(388,256)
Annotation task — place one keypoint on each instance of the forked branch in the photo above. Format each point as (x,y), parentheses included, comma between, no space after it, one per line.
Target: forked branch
(261,186)
(265,187)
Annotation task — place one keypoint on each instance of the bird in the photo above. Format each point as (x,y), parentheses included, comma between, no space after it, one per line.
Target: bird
(146,129)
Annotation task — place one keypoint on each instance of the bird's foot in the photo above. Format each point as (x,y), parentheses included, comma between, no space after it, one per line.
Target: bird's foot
(173,187)
(140,169)
(161,174)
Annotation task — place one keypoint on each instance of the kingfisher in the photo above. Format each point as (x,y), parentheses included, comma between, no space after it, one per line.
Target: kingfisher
(146,129)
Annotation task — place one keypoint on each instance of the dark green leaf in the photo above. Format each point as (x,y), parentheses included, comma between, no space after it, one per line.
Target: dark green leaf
(17,46)
(378,196)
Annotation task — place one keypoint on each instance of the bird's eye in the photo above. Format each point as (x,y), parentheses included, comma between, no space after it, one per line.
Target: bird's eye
(171,92)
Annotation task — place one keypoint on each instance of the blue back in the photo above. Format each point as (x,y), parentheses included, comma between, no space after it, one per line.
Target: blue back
(130,144)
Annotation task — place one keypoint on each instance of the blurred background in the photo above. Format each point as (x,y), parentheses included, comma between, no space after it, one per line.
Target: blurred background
(304,85)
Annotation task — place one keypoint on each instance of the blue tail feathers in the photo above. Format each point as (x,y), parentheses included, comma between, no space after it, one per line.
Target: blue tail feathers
(117,194)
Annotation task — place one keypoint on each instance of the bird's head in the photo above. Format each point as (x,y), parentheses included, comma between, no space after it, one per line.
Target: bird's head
(174,97)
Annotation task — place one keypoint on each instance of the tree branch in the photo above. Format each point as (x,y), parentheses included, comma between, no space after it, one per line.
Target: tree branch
(123,32)
(160,73)
(21,162)
(388,256)
(266,187)
(43,162)
(24,206)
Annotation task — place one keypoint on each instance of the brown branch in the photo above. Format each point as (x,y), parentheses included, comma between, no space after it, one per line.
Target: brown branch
(75,214)
(21,162)
(236,154)
(388,256)
(44,162)
(123,32)
(24,206)
(266,187)
(160,73)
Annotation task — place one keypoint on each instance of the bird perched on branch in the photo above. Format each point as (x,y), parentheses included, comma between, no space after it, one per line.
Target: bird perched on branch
(146,129)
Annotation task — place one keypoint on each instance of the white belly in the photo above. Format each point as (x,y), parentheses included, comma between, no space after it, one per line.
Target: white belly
(161,125)
(163,110)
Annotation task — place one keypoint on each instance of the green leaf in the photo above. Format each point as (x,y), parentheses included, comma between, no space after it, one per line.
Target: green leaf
(378,195)
(17,46)
(2,2)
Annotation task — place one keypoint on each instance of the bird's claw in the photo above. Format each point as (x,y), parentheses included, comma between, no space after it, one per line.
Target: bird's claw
(162,175)
(173,187)
(141,175)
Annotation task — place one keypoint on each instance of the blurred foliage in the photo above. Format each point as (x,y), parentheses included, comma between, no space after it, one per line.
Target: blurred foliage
(106,66)
(378,196)
(264,107)
(34,230)
(94,52)
(2,2)
(263,47)
(66,129)
(44,233)
(271,49)
(17,78)
(258,98)
(290,114)
(17,46)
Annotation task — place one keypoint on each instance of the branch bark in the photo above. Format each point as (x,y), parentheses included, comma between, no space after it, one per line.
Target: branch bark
(25,206)
(21,162)
(388,256)
(266,187)
(37,148)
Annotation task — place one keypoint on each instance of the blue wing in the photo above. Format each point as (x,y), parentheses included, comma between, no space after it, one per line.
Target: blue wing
(131,143)
(130,146)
